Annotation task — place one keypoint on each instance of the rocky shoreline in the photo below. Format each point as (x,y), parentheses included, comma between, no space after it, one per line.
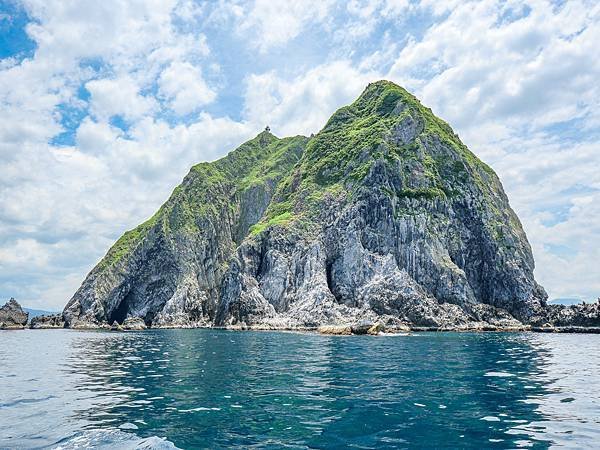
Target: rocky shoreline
(346,330)
(582,318)
(340,330)
(375,329)
(47,322)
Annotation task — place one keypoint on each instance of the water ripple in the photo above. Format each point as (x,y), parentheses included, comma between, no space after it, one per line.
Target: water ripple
(218,389)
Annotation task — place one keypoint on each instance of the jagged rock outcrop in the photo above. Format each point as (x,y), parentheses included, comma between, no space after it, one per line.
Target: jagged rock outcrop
(134,324)
(47,321)
(168,270)
(581,315)
(12,316)
(384,216)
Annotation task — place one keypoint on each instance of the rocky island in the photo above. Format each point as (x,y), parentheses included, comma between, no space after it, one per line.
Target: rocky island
(12,316)
(384,218)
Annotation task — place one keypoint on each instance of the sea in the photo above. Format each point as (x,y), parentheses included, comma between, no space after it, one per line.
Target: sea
(204,388)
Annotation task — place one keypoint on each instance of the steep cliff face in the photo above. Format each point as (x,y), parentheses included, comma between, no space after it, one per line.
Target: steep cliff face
(168,270)
(386,215)
(383,215)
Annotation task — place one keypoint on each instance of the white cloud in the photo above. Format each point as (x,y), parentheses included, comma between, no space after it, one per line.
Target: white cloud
(23,252)
(95,137)
(394,8)
(302,105)
(119,96)
(273,23)
(27,107)
(119,29)
(188,10)
(537,66)
(182,84)
(365,16)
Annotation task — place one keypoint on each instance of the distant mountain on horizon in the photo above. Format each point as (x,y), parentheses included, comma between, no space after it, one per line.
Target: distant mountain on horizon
(565,301)
(38,312)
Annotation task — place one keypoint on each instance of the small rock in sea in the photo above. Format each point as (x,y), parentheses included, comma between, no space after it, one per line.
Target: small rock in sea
(134,323)
(376,329)
(116,326)
(12,316)
(362,327)
(335,329)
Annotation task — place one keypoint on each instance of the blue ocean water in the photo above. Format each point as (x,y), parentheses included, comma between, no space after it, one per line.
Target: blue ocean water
(217,389)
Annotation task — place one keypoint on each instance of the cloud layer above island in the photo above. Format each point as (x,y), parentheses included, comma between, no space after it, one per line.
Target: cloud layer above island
(106,105)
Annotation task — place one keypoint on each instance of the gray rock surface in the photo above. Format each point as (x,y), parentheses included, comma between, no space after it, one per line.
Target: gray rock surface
(134,324)
(12,317)
(168,270)
(581,315)
(47,321)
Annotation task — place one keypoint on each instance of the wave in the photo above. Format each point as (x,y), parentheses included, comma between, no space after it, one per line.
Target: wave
(114,440)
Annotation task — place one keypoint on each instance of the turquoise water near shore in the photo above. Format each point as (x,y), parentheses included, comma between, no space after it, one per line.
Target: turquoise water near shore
(216,389)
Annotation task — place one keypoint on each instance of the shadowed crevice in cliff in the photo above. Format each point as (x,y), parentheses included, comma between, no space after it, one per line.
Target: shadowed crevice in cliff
(330,283)
(120,312)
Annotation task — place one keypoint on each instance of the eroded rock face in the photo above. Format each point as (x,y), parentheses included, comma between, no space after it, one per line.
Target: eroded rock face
(168,270)
(47,322)
(383,217)
(12,316)
(412,229)
(582,315)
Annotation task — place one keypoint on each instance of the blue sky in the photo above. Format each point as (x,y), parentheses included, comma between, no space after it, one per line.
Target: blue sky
(106,105)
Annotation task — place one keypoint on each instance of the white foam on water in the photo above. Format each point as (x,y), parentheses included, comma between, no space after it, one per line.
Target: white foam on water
(498,374)
(114,440)
(490,419)
(200,408)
